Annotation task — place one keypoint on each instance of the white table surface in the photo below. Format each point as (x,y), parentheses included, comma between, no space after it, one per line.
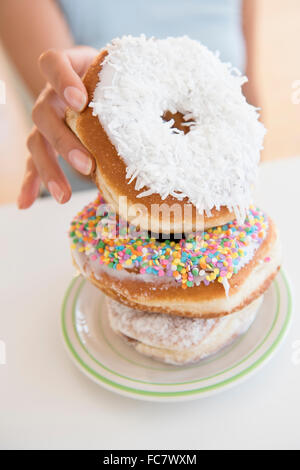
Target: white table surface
(45,402)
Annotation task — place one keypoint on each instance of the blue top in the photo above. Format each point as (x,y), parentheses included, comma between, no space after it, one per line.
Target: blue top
(216,23)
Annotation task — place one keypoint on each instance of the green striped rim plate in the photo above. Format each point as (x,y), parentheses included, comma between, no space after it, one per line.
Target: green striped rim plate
(113,364)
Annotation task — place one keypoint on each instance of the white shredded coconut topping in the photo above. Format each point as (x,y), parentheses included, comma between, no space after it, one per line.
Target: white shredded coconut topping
(215,163)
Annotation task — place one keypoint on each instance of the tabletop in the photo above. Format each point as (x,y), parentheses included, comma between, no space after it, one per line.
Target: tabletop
(45,401)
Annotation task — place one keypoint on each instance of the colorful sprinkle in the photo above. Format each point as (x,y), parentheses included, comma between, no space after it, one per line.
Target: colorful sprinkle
(215,254)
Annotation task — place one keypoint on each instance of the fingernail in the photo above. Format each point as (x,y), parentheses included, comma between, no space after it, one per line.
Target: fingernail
(80,161)
(56,191)
(75,98)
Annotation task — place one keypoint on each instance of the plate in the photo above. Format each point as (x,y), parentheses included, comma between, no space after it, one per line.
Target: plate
(110,362)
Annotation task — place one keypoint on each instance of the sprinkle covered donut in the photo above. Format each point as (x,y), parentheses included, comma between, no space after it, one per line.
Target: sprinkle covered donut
(168,125)
(216,272)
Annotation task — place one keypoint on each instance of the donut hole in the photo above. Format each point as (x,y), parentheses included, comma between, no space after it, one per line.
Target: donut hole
(181,122)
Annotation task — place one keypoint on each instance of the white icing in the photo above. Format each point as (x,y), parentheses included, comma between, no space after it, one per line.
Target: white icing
(87,266)
(215,164)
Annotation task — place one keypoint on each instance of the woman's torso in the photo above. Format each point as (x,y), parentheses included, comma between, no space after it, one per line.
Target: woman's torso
(216,23)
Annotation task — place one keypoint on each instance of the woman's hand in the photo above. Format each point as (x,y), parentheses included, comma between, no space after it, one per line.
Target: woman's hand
(50,136)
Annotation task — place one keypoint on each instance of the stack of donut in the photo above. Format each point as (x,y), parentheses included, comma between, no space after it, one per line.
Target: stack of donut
(172,238)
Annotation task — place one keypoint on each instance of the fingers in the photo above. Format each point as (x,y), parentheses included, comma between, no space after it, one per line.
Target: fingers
(81,58)
(46,164)
(61,69)
(57,69)
(46,115)
(30,186)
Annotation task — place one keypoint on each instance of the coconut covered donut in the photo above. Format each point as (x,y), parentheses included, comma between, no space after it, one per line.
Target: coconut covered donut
(214,273)
(177,340)
(170,130)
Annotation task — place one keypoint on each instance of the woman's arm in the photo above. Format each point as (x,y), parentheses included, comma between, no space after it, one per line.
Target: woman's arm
(28,28)
(39,42)
(249,20)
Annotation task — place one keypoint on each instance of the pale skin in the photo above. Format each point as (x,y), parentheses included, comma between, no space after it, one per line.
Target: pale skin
(52,67)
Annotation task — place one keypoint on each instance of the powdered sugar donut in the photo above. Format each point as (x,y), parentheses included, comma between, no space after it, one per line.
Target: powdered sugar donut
(177,340)
(168,124)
